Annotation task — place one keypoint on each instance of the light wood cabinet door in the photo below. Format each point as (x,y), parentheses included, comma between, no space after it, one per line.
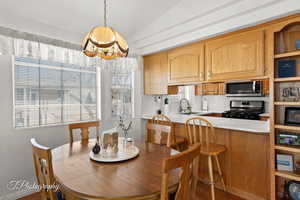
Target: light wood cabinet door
(249,159)
(210,89)
(186,64)
(235,56)
(156,74)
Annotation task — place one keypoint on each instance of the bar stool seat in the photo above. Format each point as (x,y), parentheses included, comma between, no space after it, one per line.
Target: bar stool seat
(212,149)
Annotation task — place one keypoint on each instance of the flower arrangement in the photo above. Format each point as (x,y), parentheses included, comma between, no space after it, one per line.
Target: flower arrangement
(123,127)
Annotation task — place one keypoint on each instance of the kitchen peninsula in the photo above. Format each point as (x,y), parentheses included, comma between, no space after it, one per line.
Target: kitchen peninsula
(245,164)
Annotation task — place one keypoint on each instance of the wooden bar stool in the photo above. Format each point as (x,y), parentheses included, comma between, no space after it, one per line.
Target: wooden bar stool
(199,130)
(171,140)
(84,128)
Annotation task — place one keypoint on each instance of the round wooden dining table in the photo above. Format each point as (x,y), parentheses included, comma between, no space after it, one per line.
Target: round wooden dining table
(135,179)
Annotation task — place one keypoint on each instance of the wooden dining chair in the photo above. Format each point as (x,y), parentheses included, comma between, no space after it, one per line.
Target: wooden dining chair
(84,129)
(171,140)
(200,131)
(187,161)
(44,172)
(156,133)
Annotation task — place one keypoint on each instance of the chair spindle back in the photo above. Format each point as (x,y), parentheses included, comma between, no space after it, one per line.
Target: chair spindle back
(199,130)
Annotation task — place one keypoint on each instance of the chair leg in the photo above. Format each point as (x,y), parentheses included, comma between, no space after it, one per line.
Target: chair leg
(220,172)
(195,174)
(211,177)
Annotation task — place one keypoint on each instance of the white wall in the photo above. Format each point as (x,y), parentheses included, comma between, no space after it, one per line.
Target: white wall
(217,103)
(15,149)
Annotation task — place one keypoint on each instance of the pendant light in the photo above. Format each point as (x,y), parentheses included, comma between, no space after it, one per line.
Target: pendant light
(104,41)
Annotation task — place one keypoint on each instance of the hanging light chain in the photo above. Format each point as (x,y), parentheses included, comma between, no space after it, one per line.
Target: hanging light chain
(105,12)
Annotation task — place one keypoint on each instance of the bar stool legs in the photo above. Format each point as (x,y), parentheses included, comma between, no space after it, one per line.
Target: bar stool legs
(211,178)
(220,172)
(211,175)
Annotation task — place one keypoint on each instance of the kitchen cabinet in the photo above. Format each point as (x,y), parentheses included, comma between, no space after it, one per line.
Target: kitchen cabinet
(266,87)
(249,155)
(156,75)
(210,89)
(236,56)
(186,64)
(221,88)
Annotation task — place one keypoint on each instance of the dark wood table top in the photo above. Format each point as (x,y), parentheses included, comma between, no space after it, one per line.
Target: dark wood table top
(138,178)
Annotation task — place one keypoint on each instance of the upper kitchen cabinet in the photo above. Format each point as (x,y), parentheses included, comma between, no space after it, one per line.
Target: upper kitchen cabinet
(235,56)
(156,75)
(186,64)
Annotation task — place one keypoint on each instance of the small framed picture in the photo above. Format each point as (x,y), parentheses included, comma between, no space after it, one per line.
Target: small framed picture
(286,68)
(285,162)
(291,93)
(292,116)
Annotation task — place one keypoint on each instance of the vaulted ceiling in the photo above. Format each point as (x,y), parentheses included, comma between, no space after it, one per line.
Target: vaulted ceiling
(71,19)
(148,25)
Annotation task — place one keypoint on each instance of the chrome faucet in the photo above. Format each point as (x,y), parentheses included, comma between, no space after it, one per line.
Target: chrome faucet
(184,106)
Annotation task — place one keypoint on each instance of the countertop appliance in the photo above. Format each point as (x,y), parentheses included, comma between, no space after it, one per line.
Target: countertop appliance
(245,109)
(244,88)
(185,106)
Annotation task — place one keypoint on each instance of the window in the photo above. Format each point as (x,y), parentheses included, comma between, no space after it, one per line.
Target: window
(122,98)
(48,93)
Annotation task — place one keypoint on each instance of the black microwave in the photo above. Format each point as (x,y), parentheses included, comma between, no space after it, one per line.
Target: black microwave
(245,88)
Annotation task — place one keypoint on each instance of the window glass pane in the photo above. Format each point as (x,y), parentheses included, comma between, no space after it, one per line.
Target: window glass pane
(71,98)
(122,94)
(88,96)
(51,94)
(26,94)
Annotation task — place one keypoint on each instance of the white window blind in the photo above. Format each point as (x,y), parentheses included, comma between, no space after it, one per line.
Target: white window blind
(51,93)
(122,94)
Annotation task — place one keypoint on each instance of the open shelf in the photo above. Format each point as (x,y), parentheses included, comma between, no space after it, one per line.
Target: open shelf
(286,103)
(287,148)
(289,128)
(289,54)
(286,54)
(290,79)
(288,175)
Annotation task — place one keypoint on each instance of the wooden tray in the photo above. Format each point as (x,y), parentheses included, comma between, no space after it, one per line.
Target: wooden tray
(122,155)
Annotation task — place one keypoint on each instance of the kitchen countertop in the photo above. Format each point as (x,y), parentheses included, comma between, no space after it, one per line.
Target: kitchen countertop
(255,126)
(265,115)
